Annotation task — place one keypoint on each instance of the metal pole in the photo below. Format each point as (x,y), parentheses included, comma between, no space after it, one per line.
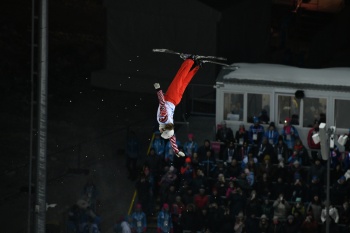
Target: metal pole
(31,122)
(329,133)
(42,122)
(327,193)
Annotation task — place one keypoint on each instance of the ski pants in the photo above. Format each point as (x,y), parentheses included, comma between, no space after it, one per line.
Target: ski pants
(181,80)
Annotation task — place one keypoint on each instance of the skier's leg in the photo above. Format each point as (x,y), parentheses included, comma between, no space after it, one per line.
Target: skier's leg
(180,82)
(187,79)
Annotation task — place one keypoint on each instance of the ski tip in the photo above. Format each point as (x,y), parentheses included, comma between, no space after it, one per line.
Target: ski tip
(230,67)
(215,62)
(160,50)
(220,58)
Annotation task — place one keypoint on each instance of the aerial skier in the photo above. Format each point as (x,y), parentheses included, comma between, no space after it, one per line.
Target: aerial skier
(173,95)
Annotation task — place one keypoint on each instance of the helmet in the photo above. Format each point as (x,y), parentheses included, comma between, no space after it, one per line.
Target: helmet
(167,134)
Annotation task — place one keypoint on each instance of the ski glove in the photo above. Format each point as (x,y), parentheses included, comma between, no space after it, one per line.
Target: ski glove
(156,86)
(180,154)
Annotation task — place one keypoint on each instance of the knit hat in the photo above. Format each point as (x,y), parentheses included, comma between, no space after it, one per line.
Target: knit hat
(165,206)
(263,216)
(190,135)
(188,160)
(287,120)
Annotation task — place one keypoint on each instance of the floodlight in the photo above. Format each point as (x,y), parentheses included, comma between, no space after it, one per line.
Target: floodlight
(50,206)
(316,138)
(347,174)
(324,144)
(342,139)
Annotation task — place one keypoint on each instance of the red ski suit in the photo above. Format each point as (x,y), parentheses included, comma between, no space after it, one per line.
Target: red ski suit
(174,94)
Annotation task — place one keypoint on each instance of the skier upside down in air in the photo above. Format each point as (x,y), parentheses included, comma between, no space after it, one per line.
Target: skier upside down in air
(173,96)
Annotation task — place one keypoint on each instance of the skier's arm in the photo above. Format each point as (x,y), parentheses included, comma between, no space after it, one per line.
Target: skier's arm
(174,147)
(162,111)
(159,94)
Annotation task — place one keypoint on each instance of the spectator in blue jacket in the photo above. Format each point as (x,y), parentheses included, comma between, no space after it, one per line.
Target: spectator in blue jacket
(289,133)
(256,132)
(138,220)
(158,145)
(164,220)
(190,146)
(272,134)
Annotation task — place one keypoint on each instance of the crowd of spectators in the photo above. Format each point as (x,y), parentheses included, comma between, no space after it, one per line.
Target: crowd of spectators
(259,180)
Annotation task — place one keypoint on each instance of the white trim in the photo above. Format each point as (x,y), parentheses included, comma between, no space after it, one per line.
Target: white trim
(289,74)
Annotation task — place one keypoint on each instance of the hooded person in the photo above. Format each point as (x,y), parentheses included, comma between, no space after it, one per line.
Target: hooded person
(276,226)
(264,224)
(291,225)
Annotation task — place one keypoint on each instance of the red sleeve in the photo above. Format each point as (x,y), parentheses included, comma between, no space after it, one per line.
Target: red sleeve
(163,113)
(173,144)
(310,141)
(160,97)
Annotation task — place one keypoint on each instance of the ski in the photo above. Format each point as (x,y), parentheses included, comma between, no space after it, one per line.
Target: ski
(215,62)
(184,54)
(230,67)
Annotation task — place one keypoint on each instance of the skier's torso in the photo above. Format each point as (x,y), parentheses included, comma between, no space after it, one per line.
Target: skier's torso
(165,113)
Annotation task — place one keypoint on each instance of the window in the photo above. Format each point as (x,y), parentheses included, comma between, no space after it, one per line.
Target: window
(314,109)
(288,107)
(341,115)
(259,106)
(233,106)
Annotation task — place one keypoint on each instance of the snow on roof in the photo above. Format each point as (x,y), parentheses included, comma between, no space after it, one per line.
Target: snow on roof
(281,75)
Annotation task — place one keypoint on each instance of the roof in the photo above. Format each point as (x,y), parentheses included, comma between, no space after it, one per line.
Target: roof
(265,74)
